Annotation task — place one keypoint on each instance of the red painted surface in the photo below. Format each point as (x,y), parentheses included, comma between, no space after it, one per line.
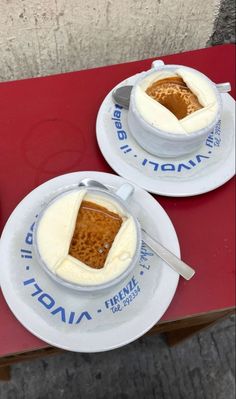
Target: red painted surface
(48,129)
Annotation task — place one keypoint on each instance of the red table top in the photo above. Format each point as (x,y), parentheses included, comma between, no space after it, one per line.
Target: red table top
(48,129)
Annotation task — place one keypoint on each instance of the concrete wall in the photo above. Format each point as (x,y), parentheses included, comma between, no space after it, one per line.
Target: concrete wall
(41,37)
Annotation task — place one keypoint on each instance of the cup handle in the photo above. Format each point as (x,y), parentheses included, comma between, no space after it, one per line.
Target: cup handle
(125,191)
(157,64)
(223,87)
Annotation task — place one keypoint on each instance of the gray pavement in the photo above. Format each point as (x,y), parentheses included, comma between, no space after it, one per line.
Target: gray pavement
(203,367)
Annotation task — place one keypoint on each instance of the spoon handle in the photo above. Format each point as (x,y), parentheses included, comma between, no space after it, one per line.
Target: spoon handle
(175,263)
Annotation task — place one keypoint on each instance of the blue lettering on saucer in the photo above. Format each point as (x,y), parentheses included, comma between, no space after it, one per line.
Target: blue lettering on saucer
(124,297)
(125,148)
(25,253)
(213,140)
(121,294)
(48,302)
(29,236)
(217,133)
(178,167)
(116,117)
(210,140)
(146,254)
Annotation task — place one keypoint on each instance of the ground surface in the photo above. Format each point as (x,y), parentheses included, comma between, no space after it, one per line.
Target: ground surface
(202,367)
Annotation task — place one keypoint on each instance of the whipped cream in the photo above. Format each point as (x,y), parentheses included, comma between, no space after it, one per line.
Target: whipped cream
(160,117)
(55,231)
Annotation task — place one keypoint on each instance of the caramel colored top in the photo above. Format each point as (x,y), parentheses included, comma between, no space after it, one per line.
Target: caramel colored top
(95,230)
(174,94)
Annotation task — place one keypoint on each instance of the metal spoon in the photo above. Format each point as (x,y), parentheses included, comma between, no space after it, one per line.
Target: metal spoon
(173,261)
(121,95)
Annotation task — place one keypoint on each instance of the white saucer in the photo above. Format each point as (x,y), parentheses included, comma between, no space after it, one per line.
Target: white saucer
(78,321)
(208,168)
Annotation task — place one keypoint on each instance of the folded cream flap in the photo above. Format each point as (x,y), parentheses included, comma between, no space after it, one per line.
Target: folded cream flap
(161,118)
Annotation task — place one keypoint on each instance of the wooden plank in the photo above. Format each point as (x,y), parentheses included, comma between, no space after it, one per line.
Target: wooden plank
(5,373)
(20,357)
(175,337)
(187,322)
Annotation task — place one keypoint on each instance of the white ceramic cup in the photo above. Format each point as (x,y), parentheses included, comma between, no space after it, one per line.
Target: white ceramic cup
(162,143)
(120,197)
